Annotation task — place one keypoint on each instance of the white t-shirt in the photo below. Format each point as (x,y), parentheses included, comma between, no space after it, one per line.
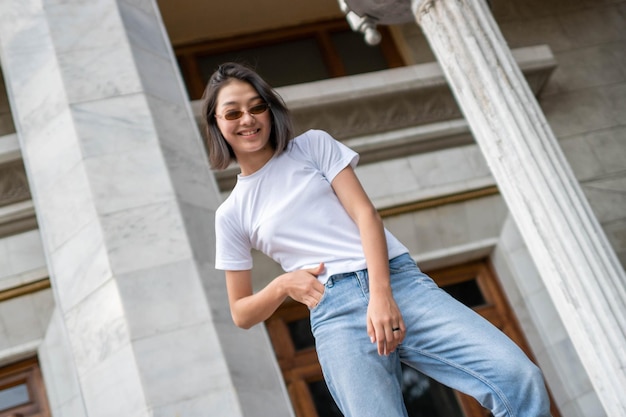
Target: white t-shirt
(289,211)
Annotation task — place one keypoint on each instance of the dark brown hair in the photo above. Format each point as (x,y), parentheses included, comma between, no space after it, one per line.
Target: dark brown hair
(220,152)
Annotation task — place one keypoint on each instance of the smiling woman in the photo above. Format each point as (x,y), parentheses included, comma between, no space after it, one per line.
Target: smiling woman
(236,89)
(246,132)
(371,308)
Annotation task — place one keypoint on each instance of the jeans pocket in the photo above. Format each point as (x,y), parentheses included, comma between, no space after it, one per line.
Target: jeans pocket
(322,299)
(401,263)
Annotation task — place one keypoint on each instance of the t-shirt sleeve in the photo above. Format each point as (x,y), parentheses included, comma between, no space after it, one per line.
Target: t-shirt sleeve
(233,249)
(330,155)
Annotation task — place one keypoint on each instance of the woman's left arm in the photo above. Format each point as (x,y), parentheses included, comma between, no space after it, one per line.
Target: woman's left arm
(383,314)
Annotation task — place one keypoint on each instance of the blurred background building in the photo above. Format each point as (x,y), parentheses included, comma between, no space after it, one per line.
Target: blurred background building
(109,303)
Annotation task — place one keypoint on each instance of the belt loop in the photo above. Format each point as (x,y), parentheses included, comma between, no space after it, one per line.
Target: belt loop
(330,282)
(363,278)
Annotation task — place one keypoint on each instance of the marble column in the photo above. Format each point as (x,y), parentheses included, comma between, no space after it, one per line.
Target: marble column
(125,201)
(576,262)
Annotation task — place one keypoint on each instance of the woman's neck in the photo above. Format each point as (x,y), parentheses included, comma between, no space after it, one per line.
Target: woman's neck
(251,163)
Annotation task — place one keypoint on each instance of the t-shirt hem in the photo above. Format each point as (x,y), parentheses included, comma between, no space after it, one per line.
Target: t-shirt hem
(233,267)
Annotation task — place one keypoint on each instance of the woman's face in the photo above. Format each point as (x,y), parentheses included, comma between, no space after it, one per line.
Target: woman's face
(248,135)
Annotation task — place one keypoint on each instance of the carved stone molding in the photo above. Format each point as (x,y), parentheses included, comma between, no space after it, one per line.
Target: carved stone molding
(17,218)
(381,113)
(6,118)
(393,99)
(13,183)
(6,122)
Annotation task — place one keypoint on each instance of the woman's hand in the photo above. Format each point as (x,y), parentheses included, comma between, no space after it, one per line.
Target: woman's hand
(248,308)
(384,323)
(303,285)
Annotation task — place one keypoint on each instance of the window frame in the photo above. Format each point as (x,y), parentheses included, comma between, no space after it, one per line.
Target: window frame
(188,55)
(25,372)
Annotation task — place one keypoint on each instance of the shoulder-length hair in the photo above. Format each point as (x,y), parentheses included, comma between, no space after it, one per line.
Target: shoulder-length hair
(220,152)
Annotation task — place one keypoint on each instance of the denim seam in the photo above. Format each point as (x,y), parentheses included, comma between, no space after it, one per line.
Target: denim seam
(362,281)
(400,270)
(479,377)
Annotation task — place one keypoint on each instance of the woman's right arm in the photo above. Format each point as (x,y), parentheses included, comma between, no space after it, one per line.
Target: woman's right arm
(248,308)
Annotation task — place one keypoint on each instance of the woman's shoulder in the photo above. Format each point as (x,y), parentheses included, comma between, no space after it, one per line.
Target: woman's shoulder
(310,140)
(233,203)
(226,207)
(305,146)
(311,135)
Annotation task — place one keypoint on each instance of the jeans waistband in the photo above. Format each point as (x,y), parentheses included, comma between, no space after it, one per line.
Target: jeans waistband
(337,277)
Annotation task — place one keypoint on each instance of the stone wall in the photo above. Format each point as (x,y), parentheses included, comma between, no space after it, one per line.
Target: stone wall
(584,100)
(6,118)
(542,326)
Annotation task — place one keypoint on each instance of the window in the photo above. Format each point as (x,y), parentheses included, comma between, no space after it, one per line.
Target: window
(290,55)
(22,393)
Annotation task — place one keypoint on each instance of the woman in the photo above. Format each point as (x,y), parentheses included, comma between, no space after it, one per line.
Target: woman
(299,201)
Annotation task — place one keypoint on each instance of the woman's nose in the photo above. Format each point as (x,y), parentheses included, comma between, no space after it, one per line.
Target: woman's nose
(247,117)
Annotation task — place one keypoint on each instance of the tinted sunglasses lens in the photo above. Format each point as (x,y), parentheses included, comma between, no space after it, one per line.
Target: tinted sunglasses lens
(236,114)
(233,115)
(259,108)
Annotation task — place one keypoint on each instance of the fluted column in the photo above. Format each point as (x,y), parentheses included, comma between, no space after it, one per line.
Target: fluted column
(577,263)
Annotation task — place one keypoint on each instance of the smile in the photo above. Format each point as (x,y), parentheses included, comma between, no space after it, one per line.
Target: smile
(249,132)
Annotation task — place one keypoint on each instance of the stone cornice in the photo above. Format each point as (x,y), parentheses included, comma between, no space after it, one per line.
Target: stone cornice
(9,148)
(13,183)
(391,99)
(17,218)
(388,145)
(17,213)
(381,115)
(380,111)
(16,208)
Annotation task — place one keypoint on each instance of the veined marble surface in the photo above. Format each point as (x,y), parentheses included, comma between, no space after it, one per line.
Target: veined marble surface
(125,200)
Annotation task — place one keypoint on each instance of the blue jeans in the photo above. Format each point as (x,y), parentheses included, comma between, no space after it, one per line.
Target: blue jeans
(445,340)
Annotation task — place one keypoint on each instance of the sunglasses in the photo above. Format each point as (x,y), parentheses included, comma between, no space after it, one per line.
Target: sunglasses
(237,114)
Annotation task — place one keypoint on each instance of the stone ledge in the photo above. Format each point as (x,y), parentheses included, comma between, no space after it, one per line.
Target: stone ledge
(9,148)
(381,115)
(25,350)
(460,254)
(384,106)
(394,204)
(388,145)
(415,94)
(17,218)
